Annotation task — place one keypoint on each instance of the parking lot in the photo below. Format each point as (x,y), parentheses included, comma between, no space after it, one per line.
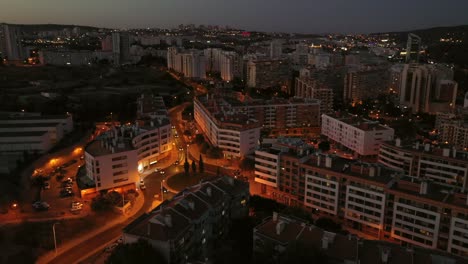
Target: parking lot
(62,189)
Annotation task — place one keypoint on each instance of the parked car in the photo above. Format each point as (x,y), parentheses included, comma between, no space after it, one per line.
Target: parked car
(46,185)
(66,193)
(142,186)
(176,162)
(157,169)
(41,205)
(76,206)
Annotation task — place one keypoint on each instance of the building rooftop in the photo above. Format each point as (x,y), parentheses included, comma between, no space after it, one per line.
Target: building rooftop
(173,217)
(341,248)
(23,134)
(358,122)
(106,146)
(380,174)
(415,147)
(11,125)
(26,117)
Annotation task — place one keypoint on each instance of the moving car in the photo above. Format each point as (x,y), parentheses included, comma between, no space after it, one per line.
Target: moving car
(162,172)
(176,162)
(142,186)
(46,185)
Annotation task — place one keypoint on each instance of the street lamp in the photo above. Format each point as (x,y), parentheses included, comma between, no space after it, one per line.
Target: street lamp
(162,191)
(55,239)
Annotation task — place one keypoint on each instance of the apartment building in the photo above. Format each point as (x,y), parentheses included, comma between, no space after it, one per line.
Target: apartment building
(190,226)
(361,83)
(383,203)
(306,86)
(277,164)
(428,88)
(263,74)
(236,134)
(281,235)
(359,135)
(190,63)
(444,165)
(455,133)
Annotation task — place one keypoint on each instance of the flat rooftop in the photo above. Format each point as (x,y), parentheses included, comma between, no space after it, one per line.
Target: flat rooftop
(96,149)
(434,150)
(23,134)
(358,122)
(19,125)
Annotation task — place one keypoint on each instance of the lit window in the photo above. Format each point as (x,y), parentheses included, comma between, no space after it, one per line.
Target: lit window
(243,202)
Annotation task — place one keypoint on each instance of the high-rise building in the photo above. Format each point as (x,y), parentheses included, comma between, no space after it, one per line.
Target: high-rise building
(106,43)
(306,86)
(230,65)
(120,47)
(364,82)
(263,74)
(10,39)
(413,48)
(276,49)
(191,63)
(428,88)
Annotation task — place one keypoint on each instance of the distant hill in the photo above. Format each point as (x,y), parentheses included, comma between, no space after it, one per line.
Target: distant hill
(430,35)
(455,50)
(52,27)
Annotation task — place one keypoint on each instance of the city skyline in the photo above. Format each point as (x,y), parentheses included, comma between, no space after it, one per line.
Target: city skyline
(272,16)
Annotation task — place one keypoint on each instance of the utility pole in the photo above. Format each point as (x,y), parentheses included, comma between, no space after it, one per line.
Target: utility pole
(55,239)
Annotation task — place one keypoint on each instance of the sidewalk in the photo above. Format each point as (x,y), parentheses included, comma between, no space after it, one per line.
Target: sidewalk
(46,258)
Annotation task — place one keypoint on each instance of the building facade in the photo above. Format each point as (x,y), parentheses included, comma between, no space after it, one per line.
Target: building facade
(446,166)
(310,88)
(236,134)
(361,136)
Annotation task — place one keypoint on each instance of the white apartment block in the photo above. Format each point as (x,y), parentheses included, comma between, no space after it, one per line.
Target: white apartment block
(190,63)
(365,205)
(267,167)
(361,136)
(234,134)
(444,166)
(321,192)
(111,166)
(230,65)
(415,223)
(458,239)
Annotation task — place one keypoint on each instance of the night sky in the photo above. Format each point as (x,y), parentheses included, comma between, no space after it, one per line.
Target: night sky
(306,16)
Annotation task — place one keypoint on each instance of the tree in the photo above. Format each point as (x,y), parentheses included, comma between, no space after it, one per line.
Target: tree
(139,252)
(199,139)
(324,146)
(328,224)
(194,167)
(186,167)
(201,165)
